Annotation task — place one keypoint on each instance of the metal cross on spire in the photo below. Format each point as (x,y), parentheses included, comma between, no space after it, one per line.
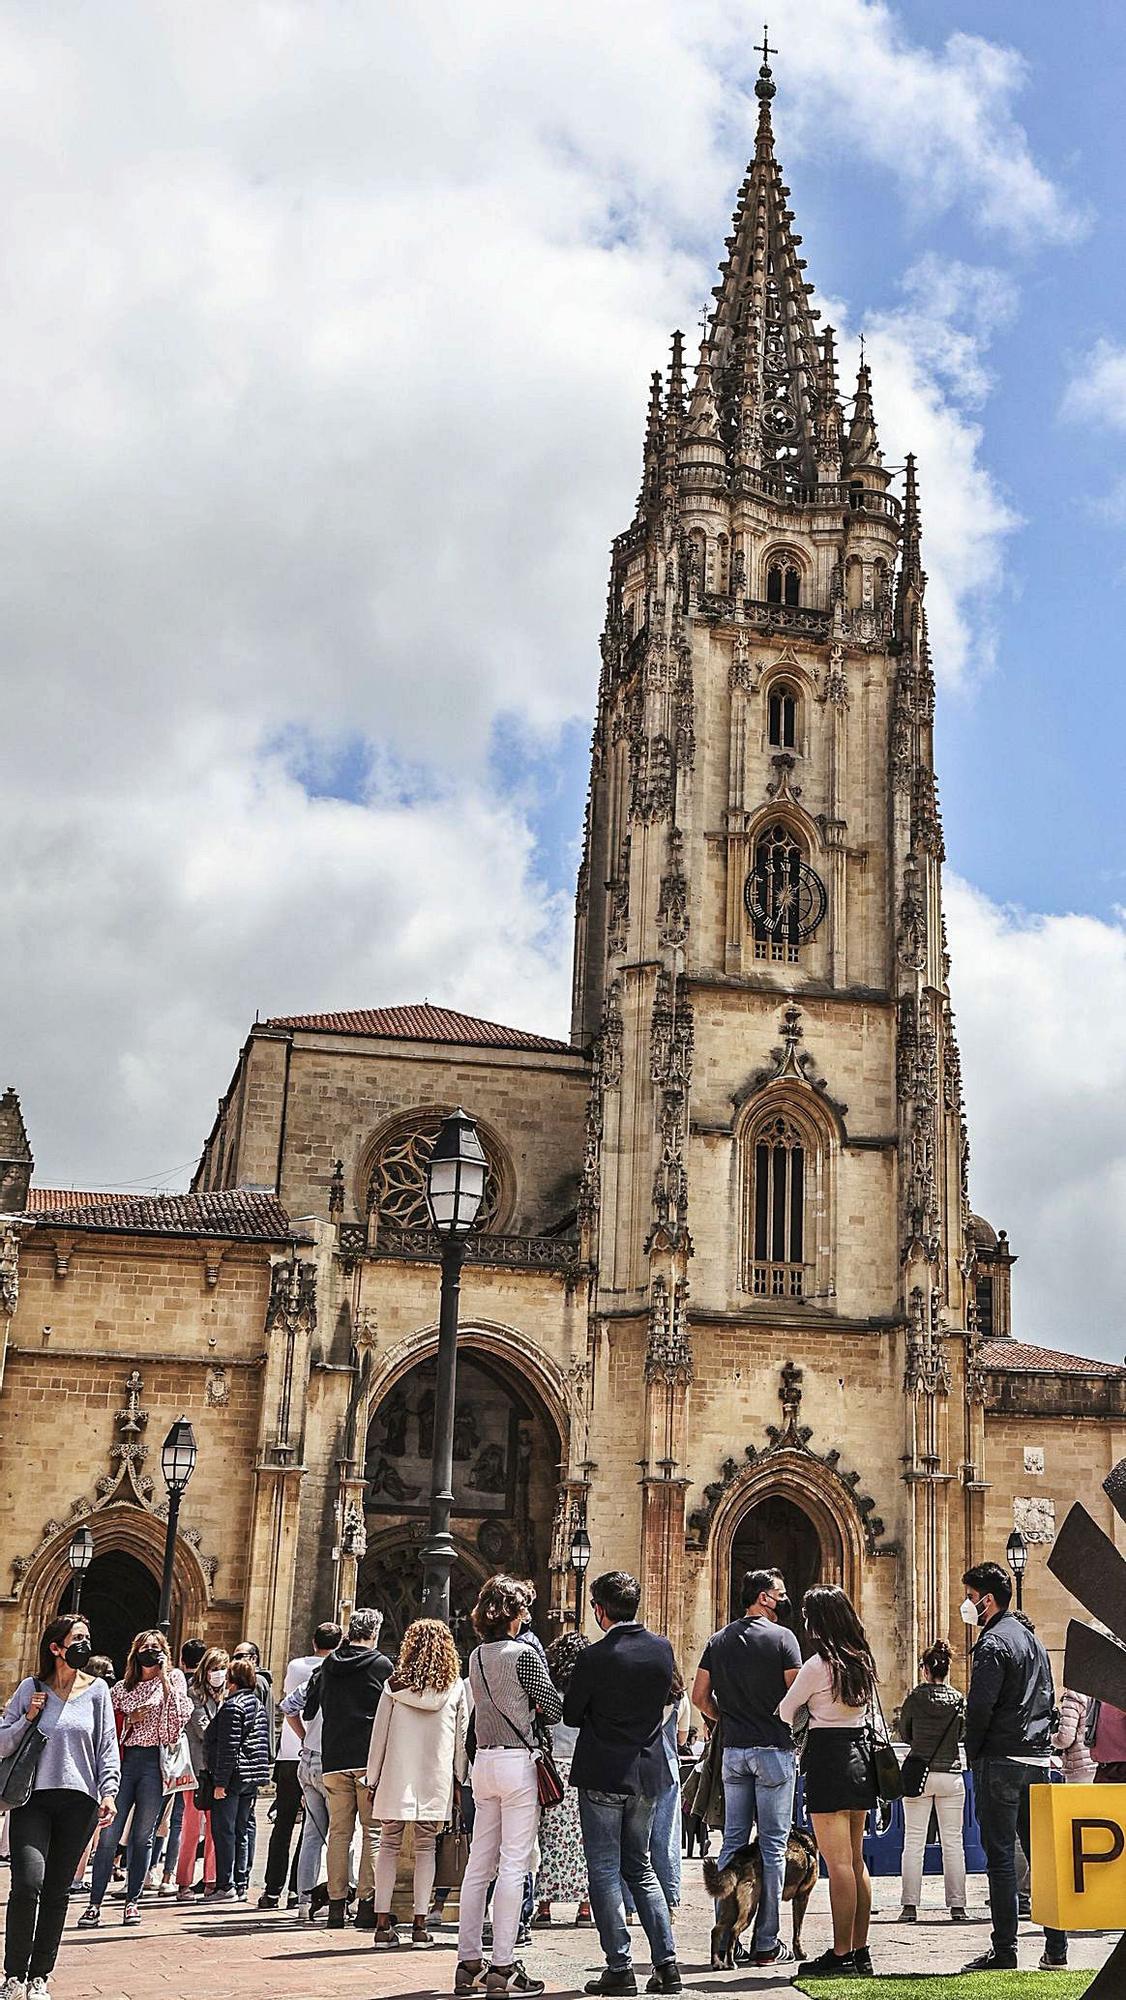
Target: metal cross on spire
(766,51)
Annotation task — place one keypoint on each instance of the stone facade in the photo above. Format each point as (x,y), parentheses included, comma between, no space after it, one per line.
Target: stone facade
(728,1299)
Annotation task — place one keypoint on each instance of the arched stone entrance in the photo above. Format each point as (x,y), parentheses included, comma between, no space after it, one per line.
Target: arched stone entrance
(508,1451)
(120,1597)
(118,1530)
(777,1530)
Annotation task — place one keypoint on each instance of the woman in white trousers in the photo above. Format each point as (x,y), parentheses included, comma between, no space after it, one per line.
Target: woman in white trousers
(932,1722)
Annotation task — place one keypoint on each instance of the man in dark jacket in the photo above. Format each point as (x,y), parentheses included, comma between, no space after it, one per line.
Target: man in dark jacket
(346,1695)
(617,1697)
(1009,1720)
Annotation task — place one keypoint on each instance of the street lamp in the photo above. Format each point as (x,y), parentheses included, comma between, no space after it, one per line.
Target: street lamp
(1016,1554)
(580,1560)
(177,1462)
(455,1189)
(80,1555)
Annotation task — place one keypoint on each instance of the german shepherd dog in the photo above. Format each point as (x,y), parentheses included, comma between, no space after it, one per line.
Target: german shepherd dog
(738,1884)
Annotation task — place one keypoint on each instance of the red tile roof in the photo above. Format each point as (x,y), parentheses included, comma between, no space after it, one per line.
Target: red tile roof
(423,1024)
(233,1212)
(1017,1354)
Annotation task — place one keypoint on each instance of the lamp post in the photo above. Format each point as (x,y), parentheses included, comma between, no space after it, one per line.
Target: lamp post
(455,1189)
(580,1560)
(1016,1554)
(80,1555)
(177,1462)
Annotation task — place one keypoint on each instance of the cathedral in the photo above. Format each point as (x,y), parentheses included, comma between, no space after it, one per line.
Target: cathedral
(726,1301)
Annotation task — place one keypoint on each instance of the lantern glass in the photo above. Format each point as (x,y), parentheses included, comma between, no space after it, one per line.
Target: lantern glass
(455,1177)
(177,1455)
(1016,1549)
(81,1550)
(580,1551)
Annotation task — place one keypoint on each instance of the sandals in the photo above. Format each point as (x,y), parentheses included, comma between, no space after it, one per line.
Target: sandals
(386,1936)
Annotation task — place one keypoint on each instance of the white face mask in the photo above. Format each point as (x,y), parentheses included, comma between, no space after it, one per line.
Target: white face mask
(217,1681)
(969,1611)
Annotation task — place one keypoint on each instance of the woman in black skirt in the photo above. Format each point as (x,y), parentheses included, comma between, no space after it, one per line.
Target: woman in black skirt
(837,1684)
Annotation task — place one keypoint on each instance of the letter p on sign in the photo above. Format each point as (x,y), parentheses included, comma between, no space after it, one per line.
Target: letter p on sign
(1078,1856)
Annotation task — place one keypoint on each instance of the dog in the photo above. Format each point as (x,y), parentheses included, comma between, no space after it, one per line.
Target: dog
(737,1887)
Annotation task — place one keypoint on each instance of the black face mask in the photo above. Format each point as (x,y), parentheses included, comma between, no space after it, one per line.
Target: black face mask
(77,1653)
(151,1657)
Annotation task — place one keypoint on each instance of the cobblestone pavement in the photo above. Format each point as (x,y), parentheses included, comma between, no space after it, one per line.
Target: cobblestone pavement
(201,1953)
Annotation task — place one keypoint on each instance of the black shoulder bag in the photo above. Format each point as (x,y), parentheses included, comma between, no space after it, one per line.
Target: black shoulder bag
(889,1777)
(17,1769)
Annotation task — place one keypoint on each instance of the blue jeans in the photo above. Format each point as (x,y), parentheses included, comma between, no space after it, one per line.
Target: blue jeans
(1001,1787)
(170,1854)
(142,1790)
(664,1849)
(316,1826)
(758,1791)
(232,1817)
(617,1827)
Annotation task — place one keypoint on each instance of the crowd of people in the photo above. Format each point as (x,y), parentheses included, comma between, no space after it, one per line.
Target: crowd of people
(533,1779)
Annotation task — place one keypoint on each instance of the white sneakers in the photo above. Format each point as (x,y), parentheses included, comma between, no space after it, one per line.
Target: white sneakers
(13,1989)
(37,1989)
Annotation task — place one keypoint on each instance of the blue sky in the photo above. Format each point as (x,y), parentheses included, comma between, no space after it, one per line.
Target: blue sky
(326,336)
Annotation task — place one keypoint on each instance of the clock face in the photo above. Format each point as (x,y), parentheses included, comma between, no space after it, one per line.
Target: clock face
(784,897)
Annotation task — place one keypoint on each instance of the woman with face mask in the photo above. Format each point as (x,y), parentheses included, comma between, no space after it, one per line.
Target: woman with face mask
(76,1783)
(208,1686)
(153,1704)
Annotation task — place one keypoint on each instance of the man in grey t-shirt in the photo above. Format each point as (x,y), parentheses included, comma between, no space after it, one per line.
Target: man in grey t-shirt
(743,1673)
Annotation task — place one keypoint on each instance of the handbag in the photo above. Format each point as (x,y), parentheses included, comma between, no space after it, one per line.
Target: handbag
(915,1770)
(889,1777)
(550,1789)
(204,1791)
(18,1768)
(177,1772)
(452,1851)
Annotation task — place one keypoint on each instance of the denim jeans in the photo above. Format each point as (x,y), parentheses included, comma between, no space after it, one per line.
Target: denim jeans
(664,1850)
(168,1850)
(315,1831)
(232,1817)
(142,1791)
(1001,1787)
(758,1791)
(617,1828)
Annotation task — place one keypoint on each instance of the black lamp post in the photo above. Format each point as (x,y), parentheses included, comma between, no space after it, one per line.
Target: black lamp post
(580,1560)
(80,1555)
(1016,1554)
(177,1462)
(455,1189)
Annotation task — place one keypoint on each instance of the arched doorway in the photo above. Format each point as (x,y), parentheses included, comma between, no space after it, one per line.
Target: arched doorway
(507,1453)
(120,1597)
(776,1531)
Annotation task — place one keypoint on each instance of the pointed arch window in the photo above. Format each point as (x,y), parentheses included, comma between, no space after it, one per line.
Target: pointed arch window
(783,583)
(782,716)
(777,1211)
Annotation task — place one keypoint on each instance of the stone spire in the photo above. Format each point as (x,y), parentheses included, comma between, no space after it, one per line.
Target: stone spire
(654,445)
(912,576)
(763,347)
(16,1162)
(862,452)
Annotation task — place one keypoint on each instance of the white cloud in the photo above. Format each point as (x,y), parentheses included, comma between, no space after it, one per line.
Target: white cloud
(929,368)
(1041,1006)
(326,336)
(1097,389)
(226,892)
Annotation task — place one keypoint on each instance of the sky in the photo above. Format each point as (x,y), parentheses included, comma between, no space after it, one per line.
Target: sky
(326,333)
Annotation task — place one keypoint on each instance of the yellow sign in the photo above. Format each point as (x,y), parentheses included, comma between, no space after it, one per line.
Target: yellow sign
(1078,1856)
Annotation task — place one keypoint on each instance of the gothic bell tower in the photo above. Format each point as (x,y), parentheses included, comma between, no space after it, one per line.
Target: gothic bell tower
(775,1153)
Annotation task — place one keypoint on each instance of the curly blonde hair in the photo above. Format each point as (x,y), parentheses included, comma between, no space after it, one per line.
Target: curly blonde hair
(427,1658)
